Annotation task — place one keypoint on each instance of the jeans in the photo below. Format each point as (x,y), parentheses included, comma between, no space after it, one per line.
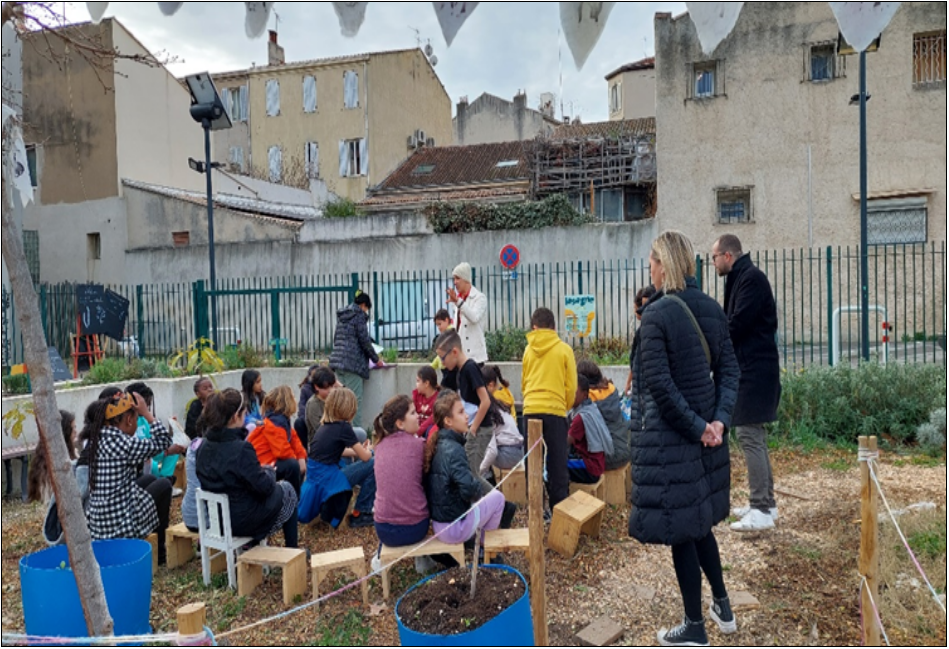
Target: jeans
(754,444)
(364,475)
(355,383)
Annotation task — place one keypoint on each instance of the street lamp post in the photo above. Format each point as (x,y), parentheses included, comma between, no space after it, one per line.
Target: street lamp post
(864,188)
(208,110)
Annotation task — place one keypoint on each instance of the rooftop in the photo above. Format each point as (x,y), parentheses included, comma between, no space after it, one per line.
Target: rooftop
(311,63)
(452,166)
(643,64)
(621,128)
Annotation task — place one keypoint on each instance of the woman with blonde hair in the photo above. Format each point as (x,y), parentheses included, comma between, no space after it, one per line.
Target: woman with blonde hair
(276,441)
(329,484)
(685,383)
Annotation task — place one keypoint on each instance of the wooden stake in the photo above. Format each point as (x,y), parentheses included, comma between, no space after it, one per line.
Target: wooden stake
(191,620)
(474,563)
(869,553)
(535,464)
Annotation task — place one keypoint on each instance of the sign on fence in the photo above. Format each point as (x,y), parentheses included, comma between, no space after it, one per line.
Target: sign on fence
(580,315)
(101,311)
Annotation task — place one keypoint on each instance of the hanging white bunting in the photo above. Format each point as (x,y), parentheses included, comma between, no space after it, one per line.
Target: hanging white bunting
(583,23)
(714,21)
(169,8)
(258,13)
(451,16)
(97,10)
(862,22)
(8,112)
(19,164)
(351,16)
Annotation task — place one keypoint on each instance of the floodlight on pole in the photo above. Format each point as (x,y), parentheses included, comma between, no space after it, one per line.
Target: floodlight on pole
(208,110)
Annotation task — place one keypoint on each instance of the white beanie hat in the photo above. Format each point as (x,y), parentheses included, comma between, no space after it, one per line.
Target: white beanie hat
(463,272)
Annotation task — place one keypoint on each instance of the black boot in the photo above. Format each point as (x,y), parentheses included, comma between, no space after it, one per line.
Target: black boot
(508,516)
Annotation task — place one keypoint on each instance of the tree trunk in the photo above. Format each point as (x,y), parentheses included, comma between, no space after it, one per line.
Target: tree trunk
(71,515)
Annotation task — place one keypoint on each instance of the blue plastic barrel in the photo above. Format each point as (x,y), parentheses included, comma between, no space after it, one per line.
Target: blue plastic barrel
(51,604)
(511,628)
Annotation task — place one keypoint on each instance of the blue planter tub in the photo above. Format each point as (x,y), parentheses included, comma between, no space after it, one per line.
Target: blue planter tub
(513,627)
(51,604)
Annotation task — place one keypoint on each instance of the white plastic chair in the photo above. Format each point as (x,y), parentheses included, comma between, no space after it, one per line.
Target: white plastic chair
(214,528)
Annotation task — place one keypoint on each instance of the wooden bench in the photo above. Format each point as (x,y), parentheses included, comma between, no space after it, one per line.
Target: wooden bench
(353,559)
(596,490)
(515,488)
(616,485)
(410,552)
(179,543)
(153,541)
(581,513)
(291,561)
(499,541)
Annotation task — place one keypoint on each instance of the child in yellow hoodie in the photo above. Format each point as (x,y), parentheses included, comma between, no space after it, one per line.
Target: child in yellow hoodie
(549,385)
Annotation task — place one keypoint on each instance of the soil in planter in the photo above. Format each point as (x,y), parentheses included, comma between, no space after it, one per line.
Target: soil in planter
(443,606)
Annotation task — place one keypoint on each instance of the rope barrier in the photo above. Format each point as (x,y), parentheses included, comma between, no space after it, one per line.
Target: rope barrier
(876,612)
(172,638)
(866,455)
(899,531)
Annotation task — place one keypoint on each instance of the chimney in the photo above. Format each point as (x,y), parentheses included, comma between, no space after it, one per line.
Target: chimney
(520,101)
(460,120)
(275,54)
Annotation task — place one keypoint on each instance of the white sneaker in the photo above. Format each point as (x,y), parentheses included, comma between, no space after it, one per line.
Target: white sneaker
(754,521)
(741,512)
(376,564)
(177,493)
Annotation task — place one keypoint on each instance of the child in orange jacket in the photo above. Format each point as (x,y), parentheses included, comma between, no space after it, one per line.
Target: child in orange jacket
(276,442)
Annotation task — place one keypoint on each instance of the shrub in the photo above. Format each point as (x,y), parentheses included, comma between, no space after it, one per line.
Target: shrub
(446,218)
(604,351)
(841,404)
(19,384)
(198,360)
(932,435)
(342,208)
(139,369)
(506,345)
(107,370)
(241,357)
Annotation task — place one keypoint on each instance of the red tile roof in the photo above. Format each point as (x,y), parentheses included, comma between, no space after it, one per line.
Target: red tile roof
(517,191)
(453,166)
(619,128)
(643,64)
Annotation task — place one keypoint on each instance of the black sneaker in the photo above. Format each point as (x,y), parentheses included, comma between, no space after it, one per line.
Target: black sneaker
(361,520)
(687,634)
(721,613)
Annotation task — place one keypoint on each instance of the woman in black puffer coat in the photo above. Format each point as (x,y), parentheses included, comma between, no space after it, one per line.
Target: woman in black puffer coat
(682,402)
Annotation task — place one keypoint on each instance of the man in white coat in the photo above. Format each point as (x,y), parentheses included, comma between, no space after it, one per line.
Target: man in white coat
(470,314)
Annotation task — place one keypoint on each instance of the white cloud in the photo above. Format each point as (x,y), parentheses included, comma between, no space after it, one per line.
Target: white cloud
(502,48)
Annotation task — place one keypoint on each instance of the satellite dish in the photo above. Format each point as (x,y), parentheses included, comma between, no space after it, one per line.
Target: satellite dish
(433,60)
(429,50)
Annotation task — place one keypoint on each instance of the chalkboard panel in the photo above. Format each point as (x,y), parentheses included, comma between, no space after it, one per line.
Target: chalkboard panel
(60,371)
(101,311)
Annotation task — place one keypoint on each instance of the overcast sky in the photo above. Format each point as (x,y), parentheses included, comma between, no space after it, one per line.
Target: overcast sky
(502,48)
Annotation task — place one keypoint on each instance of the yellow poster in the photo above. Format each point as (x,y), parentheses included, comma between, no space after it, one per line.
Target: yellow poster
(580,312)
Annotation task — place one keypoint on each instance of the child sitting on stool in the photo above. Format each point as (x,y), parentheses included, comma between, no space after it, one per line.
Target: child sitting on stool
(590,440)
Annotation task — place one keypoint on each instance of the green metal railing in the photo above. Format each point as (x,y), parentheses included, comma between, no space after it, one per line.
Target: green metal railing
(907,285)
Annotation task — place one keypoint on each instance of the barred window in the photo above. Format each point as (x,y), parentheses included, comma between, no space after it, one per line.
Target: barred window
(733,205)
(929,58)
(897,221)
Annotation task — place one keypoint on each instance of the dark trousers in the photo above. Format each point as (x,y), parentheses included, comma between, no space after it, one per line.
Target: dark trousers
(579,474)
(160,491)
(289,471)
(398,536)
(558,452)
(303,433)
(691,560)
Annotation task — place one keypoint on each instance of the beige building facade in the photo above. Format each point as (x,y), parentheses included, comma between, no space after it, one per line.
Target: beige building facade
(346,121)
(632,90)
(490,119)
(759,139)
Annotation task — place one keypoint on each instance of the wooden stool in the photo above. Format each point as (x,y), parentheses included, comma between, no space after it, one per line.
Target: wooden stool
(580,513)
(515,488)
(179,543)
(498,541)
(596,490)
(291,561)
(181,476)
(410,552)
(615,490)
(153,541)
(353,559)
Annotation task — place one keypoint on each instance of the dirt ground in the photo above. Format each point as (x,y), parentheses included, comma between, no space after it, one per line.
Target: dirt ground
(804,573)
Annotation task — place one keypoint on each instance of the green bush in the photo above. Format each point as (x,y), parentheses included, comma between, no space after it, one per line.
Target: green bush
(139,369)
(241,357)
(840,404)
(19,384)
(107,370)
(447,218)
(342,208)
(506,345)
(604,351)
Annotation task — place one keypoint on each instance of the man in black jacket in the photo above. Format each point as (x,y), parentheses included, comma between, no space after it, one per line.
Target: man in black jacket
(753,324)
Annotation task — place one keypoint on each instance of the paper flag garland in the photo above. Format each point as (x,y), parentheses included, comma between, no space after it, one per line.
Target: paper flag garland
(583,24)
(714,21)
(451,16)
(258,13)
(169,8)
(18,162)
(351,16)
(97,10)
(862,22)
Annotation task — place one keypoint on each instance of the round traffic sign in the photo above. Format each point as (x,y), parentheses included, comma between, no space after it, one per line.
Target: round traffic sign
(510,257)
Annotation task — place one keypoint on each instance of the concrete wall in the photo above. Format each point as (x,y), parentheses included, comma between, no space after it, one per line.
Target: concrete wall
(155,132)
(638,92)
(69,110)
(759,132)
(492,119)
(63,232)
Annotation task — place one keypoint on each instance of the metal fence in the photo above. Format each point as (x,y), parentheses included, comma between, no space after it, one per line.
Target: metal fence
(817,292)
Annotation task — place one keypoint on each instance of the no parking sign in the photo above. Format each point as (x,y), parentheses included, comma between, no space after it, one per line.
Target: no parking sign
(510,257)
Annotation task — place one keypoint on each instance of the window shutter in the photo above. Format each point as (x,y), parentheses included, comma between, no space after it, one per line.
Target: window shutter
(363,157)
(312,153)
(309,94)
(226,100)
(350,89)
(275,159)
(273,98)
(343,158)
